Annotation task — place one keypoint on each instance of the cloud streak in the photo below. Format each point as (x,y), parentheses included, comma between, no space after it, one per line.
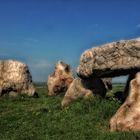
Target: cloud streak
(39,64)
(31,40)
(4,54)
(40,69)
(7,44)
(138,25)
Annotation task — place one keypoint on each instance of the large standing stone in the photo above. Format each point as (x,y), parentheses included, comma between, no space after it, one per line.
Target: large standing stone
(59,81)
(15,78)
(80,88)
(127,118)
(109,60)
(76,90)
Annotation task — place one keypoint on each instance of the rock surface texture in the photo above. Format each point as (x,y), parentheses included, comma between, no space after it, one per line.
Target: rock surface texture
(127,118)
(76,90)
(116,59)
(59,81)
(15,78)
(80,88)
(109,60)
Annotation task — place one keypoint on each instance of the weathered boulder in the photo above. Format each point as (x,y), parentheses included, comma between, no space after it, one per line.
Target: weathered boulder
(127,118)
(60,80)
(75,91)
(110,60)
(15,78)
(80,88)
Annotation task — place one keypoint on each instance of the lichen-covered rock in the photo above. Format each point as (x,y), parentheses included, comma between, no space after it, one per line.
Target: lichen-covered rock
(15,78)
(116,59)
(59,81)
(127,118)
(110,60)
(75,91)
(83,88)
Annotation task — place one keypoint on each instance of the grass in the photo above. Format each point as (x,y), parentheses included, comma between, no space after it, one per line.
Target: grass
(28,118)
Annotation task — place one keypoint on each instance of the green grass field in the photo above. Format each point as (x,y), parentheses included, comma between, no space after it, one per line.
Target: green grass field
(28,118)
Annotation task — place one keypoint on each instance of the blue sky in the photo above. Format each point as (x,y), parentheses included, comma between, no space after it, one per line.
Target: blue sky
(41,32)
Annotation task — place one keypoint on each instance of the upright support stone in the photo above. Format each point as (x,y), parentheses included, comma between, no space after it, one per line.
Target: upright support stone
(84,88)
(76,90)
(127,86)
(127,118)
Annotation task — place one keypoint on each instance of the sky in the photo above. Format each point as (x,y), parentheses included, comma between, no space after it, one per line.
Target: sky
(41,32)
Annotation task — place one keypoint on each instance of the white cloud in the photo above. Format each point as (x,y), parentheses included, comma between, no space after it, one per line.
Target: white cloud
(96,25)
(7,43)
(8,55)
(3,54)
(138,26)
(39,64)
(28,42)
(31,40)
(40,69)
